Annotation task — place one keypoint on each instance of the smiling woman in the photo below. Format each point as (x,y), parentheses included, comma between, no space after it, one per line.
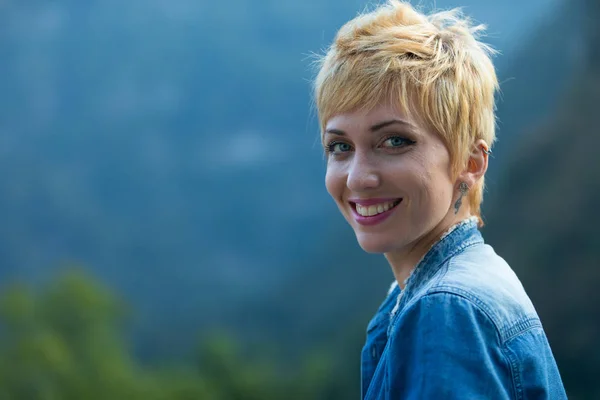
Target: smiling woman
(406,107)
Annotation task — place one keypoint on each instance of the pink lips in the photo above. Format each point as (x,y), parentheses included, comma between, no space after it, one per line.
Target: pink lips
(375,219)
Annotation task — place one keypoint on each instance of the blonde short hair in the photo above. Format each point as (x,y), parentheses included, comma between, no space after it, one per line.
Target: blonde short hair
(434,62)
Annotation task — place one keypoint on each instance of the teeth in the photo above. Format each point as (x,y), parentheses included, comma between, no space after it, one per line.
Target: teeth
(374,209)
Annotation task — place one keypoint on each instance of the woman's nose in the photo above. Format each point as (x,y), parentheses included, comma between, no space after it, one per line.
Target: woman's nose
(363,174)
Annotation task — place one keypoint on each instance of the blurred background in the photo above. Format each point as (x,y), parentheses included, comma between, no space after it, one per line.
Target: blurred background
(165,232)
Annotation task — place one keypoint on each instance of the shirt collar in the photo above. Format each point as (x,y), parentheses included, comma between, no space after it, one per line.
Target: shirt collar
(453,241)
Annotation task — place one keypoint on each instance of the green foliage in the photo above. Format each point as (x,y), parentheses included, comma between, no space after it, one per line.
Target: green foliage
(66,342)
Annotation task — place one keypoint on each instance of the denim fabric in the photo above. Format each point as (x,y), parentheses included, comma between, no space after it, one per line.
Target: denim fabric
(463,328)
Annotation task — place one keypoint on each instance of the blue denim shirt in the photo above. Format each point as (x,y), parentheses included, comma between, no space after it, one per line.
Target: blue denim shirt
(463,328)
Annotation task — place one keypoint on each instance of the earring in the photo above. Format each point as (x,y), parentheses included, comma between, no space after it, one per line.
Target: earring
(463,188)
(487,151)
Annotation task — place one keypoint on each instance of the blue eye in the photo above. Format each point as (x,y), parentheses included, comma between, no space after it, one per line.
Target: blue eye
(338,147)
(397,141)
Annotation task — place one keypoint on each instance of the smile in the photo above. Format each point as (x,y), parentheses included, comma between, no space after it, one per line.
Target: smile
(373,211)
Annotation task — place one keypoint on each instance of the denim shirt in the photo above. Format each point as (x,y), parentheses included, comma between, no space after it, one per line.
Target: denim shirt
(463,328)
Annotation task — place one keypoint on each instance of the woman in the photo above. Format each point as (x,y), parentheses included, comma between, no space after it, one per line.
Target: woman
(406,107)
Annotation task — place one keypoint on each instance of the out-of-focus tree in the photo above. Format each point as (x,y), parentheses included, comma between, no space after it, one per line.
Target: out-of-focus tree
(67,342)
(64,343)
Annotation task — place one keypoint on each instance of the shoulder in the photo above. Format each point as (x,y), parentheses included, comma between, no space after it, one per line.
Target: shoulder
(447,345)
(479,279)
(470,328)
(444,314)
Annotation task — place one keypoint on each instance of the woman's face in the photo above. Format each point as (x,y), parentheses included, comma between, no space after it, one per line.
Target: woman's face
(390,177)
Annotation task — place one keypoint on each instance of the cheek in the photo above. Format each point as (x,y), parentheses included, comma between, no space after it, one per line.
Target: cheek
(439,181)
(431,179)
(335,181)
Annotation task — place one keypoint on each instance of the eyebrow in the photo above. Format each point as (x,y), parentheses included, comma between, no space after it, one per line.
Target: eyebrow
(376,127)
(383,124)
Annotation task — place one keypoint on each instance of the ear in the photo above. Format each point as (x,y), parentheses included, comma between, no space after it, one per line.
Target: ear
(477,164)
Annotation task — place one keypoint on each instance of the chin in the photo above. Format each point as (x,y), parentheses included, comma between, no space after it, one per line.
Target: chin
(375,245)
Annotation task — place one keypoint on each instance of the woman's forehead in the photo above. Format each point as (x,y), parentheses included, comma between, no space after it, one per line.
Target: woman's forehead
(366,119)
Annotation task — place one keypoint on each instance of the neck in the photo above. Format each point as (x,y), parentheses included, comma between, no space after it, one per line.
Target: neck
(404,261)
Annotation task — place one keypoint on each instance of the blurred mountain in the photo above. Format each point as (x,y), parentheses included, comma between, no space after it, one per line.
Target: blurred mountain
(533,77)
(171,148)
(543,217)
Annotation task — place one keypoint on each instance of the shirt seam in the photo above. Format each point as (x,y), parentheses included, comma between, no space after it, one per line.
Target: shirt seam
(521,327)
(514,369)
(479,305)
(504,334)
